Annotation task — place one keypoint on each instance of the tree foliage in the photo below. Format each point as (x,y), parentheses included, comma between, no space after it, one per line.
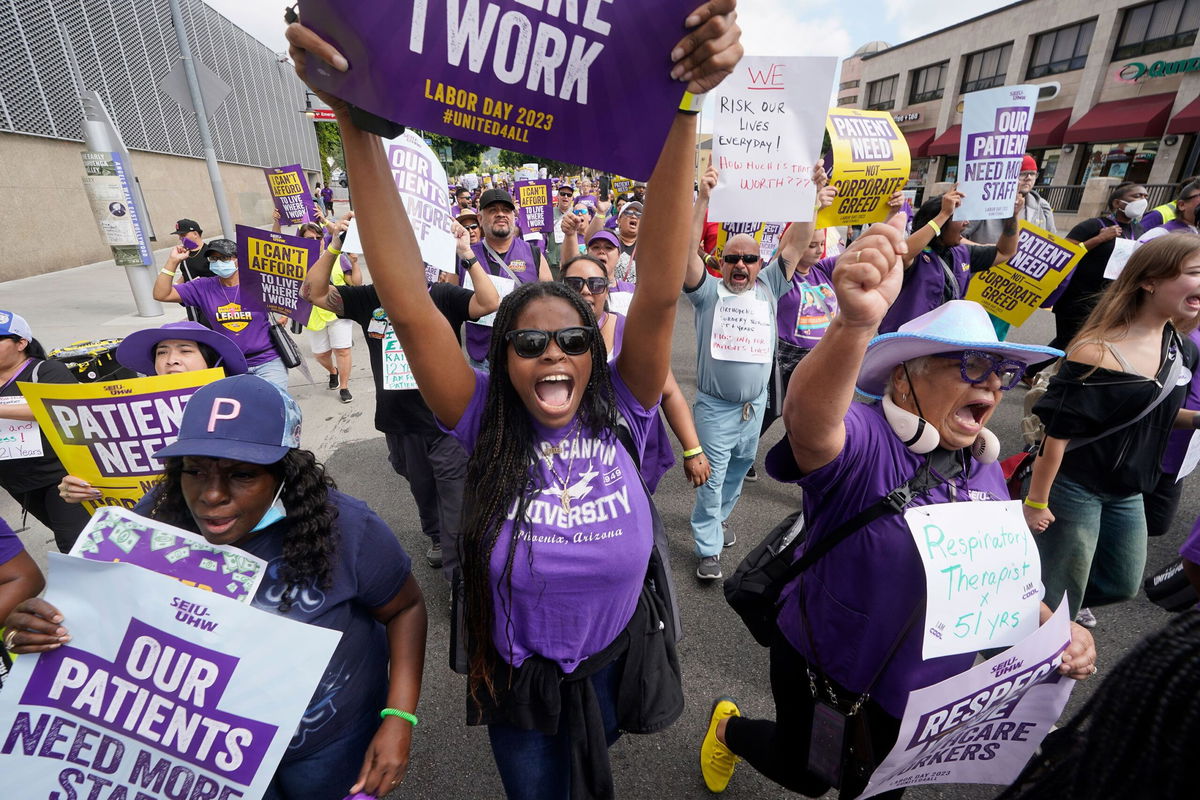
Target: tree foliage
(511,160)
(329,143)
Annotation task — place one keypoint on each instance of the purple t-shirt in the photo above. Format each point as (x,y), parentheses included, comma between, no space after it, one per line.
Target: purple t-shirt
(1191,546)
(657,456)
(10,545)
(241,318)
(924,286)
(521,263)
(1177,441)
(809,306)
(576,574)
(861,594)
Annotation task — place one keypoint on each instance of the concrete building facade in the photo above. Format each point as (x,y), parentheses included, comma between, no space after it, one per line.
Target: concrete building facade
(1119,91)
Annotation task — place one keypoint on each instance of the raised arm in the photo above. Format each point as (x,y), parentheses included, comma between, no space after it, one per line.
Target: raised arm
(921,237)
(445,380)
(797,236)
(866,279)
(1006,246)
(316,288)
(486,299)
(164,288)
(695,263)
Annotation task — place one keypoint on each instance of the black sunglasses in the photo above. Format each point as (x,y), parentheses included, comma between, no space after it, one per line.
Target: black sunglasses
(474,227)
(595,285)
(531,342)
(733,258)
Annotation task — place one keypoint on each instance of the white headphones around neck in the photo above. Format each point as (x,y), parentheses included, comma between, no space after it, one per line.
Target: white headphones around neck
(920,437)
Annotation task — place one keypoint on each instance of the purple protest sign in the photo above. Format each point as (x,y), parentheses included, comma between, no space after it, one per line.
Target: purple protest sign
(289,190)
(995,130)
(117,534)
(509,74)
(535,205)
(272,266)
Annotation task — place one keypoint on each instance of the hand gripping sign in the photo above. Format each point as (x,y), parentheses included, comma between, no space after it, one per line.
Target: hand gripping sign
(1015,289)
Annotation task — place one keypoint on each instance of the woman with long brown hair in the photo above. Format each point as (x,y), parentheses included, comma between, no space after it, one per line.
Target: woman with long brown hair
(1107,414)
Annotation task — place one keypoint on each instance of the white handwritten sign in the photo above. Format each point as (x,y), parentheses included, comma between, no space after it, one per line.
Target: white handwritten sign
(397,374)
(742,330)
(982,575)
(983,725)
(1122,250)
(767,135)
(19,439)
(504,287)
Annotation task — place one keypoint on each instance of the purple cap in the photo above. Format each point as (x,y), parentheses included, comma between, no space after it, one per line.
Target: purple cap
(606,236)
(136,351)
(243,418)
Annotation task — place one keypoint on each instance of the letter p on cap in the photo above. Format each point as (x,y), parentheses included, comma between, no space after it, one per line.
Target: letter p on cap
(234,406)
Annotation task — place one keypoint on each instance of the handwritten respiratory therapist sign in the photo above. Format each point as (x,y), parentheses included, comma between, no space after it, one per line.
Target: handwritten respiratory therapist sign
(870,163)
(767,134)
(522,75)
(995,130)
(146,703)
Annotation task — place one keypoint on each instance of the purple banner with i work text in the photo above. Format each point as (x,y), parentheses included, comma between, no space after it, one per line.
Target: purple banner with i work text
(538,78)
(289,190)
(535,205)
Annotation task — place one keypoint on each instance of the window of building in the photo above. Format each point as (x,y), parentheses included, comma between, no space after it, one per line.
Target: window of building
(848,85)
(848,101)
(1154,27)
(1061,51)
(987,68)
(928,83)
(881,95)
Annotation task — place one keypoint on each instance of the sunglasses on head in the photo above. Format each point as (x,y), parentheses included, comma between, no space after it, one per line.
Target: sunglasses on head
(531,342)
(975,367)
(733,258)
(595,285)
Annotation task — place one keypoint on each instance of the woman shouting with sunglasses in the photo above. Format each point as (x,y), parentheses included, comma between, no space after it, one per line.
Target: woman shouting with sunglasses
(570,642)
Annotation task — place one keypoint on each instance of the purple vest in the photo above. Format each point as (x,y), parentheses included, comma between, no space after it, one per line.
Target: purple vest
(519,260)
(925,285)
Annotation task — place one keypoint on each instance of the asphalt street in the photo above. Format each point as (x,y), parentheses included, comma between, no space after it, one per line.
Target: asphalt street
(718,656)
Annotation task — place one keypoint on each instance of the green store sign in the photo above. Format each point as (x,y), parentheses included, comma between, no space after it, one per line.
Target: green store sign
(1136,70)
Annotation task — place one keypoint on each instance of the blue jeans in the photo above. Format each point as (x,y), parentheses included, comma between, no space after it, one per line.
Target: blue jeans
(273,372)
(328,773)
(536,766)
(1095,550)
(730,444)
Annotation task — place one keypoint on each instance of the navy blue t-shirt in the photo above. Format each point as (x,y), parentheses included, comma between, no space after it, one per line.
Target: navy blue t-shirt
(370,567)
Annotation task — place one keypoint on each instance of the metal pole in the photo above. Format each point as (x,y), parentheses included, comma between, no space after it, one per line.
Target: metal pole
(210,154)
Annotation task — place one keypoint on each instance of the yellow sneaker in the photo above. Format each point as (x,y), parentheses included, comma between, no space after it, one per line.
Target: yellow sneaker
(716,760)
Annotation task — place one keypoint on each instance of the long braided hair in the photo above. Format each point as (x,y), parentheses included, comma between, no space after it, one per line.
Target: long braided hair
(311,541)
(500,475)
(1138,734)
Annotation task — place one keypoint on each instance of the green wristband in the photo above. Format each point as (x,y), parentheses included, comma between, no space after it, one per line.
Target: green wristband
(395,712)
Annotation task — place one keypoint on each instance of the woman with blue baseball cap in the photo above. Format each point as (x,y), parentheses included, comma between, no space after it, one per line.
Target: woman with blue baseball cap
(849,626)
(29,470)
(237,476)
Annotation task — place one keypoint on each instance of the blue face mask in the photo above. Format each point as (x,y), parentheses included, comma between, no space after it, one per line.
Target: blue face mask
(273,514)
(222,269)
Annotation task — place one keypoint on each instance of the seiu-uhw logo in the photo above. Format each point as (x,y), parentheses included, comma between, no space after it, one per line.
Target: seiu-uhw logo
(1008,665)
(115,390)
(193,614)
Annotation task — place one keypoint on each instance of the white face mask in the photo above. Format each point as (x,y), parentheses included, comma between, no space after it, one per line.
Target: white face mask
(1137,209)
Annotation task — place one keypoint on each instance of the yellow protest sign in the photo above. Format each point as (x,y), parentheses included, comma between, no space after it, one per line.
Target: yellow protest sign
(870,163)
(622,185)
(106,433)
(1015,289)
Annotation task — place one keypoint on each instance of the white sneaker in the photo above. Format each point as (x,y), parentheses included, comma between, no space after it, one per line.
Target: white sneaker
(1086,618)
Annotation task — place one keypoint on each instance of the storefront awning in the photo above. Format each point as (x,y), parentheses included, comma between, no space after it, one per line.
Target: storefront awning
(918,142)
(947,143)
(1049,127)
(1187,120)
(1123,120)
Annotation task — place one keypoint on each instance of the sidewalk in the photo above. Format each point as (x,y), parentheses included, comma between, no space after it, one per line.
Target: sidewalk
(95,302)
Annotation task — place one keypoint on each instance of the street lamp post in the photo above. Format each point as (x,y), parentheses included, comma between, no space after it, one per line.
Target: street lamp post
(326,115)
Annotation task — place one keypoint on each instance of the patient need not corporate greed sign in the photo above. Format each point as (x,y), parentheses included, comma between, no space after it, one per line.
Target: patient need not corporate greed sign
(523,75)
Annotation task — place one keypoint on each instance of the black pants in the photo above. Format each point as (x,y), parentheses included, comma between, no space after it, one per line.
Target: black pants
(776,402)
(1162,503)
(436,468)
(65,519)
(779,749)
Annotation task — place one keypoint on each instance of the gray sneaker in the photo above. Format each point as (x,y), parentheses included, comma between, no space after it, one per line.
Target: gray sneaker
(433,556)
(709,568)
(730,536)
(1086,618)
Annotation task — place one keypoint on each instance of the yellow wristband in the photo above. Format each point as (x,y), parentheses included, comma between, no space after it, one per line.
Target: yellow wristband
(691,103)
(333,250)
(937,229)
(1033,504)
(695,451)
(165,271)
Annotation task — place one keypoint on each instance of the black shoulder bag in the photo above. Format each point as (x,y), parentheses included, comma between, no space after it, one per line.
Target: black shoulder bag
(753,590)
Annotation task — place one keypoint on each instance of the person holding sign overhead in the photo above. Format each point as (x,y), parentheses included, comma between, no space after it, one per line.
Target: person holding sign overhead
(939,263)
(432,462)
(565,565)
(851,633)
(735,350)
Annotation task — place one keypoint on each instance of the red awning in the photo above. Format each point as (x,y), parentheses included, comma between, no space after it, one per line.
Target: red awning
(918,142)
(1123,120)
(947,143)
(1187,120)
(1049,128)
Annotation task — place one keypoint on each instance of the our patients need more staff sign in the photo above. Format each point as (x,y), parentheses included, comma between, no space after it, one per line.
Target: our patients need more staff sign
(534,76)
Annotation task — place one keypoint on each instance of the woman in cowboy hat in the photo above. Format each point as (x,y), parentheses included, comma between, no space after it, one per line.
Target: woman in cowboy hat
(847,621)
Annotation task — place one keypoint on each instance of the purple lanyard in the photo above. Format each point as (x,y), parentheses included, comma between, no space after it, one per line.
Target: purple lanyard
(15,374)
